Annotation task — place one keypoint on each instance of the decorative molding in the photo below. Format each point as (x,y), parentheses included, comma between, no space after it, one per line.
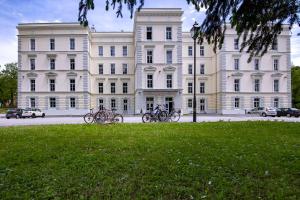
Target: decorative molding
(51,55)
(277,75)
(73,74)
(71,55)
(31,55)
(51,74)
(257,75)
(169,68)
(150,69)
(237,74)
(32,75)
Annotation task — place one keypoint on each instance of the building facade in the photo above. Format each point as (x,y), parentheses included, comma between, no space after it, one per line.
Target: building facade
(65,68)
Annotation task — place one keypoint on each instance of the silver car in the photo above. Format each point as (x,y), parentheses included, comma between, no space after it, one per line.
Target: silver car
(267,111)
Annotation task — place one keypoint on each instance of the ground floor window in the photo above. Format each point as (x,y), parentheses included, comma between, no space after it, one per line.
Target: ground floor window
(52,101)
(276,103)
(256,102)
(202,105)
(169,103)
(101,104)
(125,105)
(190,103)
(236,103)
(32,102)
(72,102)
(149,103)
(113,104)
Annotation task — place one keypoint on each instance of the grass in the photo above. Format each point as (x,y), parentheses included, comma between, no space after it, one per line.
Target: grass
(240,160)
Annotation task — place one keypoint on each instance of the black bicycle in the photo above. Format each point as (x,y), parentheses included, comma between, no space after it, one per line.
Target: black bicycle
(157,115)
(174,115)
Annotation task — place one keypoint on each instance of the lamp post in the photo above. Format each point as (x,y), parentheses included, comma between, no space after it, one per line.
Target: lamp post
(194,34)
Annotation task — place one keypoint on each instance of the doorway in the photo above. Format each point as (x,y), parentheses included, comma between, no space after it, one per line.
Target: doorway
(169,104)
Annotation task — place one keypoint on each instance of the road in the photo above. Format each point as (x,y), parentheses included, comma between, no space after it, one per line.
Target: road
(137,119)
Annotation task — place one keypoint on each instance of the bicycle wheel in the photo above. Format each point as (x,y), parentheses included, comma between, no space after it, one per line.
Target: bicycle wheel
(163,116)
(175,116)
(100,117)
(147,117)
(88,118)
(118,118)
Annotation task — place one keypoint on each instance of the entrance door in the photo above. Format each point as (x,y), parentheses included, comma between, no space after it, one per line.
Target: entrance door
(202,105)
(149,104)
(169,103)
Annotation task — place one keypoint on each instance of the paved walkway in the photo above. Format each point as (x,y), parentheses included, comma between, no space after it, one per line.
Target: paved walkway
(137,119)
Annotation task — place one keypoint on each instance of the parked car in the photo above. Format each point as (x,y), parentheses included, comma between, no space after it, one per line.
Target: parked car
(33,112)
(289,112)
(267,111)
(14,113)
(253,111)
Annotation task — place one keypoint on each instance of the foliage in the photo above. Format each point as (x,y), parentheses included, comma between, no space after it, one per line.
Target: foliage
(296,86)
(257,22)
(239,160)
(8,84)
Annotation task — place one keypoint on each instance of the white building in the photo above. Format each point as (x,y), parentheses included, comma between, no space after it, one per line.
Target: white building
(65,68)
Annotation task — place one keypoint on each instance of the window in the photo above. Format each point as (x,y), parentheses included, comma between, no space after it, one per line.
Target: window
(202,105)
(202,88)
(125,104)
(256,64)
(276,103)
(72,63)
(100,66)
(201,50)
(125,88)
(52,64)
(113,104)
(112,51)
(236,85)
(113,88)
(32,44)
(190,51)
(169,33)
(169,81)
(256,85)
(149,33)
(32,85)
(256,102)
(125,53)
(202,69)
(275,44)
(236,44)
(72,85)
(190,69)
(52,101)
(52,44)
(149,56)
(101,104)
(236,102)
(190,103)
(276,85)
(72,44)
(190,87)
(276,64)
(100,88)
(169,56)
(100,50)
(149,80)
(52,85)
(32,102)
(125,69)
(32,64)
(72,102)
(112,68)
(236,64)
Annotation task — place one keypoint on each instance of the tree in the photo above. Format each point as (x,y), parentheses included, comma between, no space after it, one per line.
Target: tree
(296,86)
(8,84)
(257,22)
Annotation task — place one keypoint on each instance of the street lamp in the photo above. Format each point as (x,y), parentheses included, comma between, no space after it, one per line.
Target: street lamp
(194,34)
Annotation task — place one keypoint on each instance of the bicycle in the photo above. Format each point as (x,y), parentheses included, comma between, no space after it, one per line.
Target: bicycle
(108,116)
(156,115)
(174,115)
(89,118)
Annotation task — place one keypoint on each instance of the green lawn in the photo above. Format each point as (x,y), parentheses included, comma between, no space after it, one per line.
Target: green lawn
(243,160)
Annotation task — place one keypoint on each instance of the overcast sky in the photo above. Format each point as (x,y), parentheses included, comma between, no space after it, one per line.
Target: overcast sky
(13,12)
